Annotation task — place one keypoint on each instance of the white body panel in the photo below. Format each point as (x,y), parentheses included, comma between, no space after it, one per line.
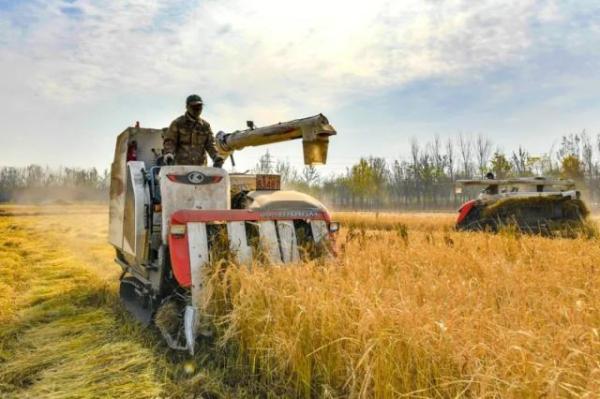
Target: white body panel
(146,140)
(238,242)
(116,205)
(319,230)
(288,241)
(127,231)
(176,196)
(268,240)
(137,198)
(199,257)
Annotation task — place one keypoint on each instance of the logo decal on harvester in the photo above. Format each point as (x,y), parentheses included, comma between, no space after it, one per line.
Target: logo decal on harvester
(195,178)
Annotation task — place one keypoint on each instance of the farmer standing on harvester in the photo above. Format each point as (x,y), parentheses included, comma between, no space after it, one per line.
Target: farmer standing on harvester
(189,138)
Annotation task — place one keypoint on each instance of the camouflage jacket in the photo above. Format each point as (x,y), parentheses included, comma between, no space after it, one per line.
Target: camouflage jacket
(189,140)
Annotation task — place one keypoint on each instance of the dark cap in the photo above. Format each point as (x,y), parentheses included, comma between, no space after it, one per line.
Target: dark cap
(193,99)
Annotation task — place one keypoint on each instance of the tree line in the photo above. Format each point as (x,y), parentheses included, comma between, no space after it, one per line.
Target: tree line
(423,180)
(39,184)
(426,179)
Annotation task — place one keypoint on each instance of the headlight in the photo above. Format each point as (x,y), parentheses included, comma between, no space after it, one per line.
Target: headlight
(334,227)
(178,229)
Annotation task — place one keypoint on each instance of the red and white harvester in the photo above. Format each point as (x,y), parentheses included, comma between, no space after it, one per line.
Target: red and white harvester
(167,221)
(536,205)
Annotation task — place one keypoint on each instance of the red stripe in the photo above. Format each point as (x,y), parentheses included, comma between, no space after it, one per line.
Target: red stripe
(178,244)
(240,215)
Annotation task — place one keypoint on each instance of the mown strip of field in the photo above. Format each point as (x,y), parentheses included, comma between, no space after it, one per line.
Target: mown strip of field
(63,333)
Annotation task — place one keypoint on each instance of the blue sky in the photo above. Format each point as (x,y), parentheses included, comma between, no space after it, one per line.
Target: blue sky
(75,73)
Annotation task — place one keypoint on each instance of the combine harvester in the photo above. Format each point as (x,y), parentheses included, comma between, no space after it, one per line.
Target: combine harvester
(535,205)
(168,222)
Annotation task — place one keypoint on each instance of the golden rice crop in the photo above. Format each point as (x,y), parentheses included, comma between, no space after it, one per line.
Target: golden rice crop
(394,221)
(423,314)
(410,308)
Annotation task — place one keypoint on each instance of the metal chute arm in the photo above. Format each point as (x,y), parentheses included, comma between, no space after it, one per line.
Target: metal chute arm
(314,132)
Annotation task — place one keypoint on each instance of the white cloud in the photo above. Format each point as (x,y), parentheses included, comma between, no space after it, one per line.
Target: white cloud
(264,59)
(281,55)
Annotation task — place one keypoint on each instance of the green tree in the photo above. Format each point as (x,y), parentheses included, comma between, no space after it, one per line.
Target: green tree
(571,168)
(501,166)
(361,180)
(380,179)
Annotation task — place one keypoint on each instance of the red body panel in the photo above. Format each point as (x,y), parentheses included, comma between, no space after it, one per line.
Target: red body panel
(464,210)
(132,151)
(180,259)
(178,244)
(467,205)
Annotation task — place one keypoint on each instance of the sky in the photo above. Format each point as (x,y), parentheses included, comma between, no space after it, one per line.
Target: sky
(75,73)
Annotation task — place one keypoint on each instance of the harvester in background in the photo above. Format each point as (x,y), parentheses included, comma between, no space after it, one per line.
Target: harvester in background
(167,223)
(537,205)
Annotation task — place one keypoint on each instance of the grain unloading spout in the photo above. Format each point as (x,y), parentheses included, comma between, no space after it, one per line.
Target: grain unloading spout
(314,132)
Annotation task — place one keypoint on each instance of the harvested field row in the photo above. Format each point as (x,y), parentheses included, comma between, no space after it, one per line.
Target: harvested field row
(63,333)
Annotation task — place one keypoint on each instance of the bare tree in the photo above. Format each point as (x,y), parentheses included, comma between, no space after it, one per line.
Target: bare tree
(264,164)
(598,142)
(465,148)
(483,148)
(520,161)
(570,145)
(587,153)
(450,158)
(310,175)
(439,160)
(415,152)
(287,172)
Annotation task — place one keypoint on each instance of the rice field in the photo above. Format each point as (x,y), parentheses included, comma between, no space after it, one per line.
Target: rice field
(410,308)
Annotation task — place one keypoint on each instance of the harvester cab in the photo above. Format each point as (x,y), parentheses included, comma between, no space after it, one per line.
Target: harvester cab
(534,204)
(167,223)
